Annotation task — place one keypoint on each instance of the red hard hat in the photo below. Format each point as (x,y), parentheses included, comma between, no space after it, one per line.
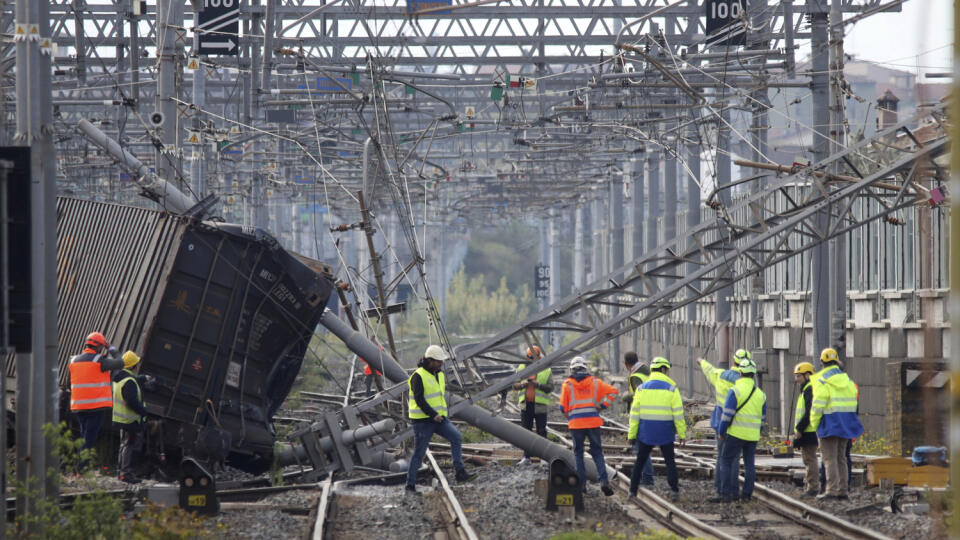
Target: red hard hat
(96,339)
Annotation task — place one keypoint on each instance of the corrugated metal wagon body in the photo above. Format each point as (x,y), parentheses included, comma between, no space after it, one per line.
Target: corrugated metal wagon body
(221,316)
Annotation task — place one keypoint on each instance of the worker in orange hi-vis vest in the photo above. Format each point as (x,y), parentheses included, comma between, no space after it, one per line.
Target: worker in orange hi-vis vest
(91,390)
(582,398)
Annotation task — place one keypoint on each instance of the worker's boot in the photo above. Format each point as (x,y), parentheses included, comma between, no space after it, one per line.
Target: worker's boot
(130,478)
(464,476)
(606,489)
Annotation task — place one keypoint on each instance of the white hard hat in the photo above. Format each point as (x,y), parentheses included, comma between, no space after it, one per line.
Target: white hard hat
(578,363)
(435,352)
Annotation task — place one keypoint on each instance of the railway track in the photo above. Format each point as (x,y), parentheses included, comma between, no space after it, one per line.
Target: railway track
(772,515)
(347,511)
(803,514)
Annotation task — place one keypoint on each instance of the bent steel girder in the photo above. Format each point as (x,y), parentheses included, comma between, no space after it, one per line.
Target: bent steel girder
(756,232)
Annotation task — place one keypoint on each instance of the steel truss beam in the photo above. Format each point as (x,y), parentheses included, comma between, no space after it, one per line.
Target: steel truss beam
(753,234)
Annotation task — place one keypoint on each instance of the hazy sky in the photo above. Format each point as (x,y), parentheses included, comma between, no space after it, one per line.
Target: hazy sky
(918,39)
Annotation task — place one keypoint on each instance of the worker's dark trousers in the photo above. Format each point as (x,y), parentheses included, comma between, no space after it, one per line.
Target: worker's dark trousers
(422,433)
(90,424)
(579,437)
(527,417)
(131,450)
(719,474)
(643,456)
(733,447)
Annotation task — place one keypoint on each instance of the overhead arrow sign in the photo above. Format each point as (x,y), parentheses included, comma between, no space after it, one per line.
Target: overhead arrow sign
(218,25)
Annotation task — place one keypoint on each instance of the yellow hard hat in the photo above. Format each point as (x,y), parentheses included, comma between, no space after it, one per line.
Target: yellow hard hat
(803,367)
(130,359)
(746,365)
(660,362)
(829,355)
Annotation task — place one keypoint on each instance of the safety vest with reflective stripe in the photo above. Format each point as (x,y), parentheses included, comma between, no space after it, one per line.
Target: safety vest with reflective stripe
(540,397)
(720,380)
(90,388)
(744,423)
(834,412)
(636,380)
(802,410)
(656,414)
(582,400)
(434,393)
(122,413)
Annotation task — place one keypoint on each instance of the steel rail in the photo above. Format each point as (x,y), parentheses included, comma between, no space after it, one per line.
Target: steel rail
(670,515)
(322,508)
(804,514)
(459,519)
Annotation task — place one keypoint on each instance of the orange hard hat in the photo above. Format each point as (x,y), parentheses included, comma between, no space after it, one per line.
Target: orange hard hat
(96,339)
(534,352)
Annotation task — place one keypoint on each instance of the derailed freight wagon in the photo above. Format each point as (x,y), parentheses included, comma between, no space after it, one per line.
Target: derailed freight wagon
(221,315)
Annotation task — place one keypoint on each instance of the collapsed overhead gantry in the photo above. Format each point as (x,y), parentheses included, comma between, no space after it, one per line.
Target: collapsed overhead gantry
(759,230)
(766,227)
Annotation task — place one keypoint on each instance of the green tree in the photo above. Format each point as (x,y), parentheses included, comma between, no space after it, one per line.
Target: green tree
(472,310)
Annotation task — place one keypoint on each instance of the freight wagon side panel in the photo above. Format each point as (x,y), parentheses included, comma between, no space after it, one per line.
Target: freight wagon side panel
(228,337)
(110,261)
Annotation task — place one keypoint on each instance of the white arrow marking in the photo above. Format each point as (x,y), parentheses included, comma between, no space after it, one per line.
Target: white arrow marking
(229,45)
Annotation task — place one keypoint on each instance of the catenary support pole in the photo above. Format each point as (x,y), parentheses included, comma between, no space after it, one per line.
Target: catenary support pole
(955,279)
(669,221)
(37,369)
(526,440)
(616,254)
(578,246)
(693,219)
(651,230)
(199,150)
(638,198)
(169,18)
(166,194)
(837,248)
(820,267)
(724,311)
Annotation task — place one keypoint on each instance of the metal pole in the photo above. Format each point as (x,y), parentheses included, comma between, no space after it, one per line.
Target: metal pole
(693,219)
(134,60)
(955,280)
(669,222)
(5,168)
(37,368)
(596,251)
(578,247)
(198,165)
(269,21)
(168,13)
(442,259)
(165,193)
(820,268)
(459,408)
(759,40)
(78,40)
(553,237)
(837,246)
(724,294)
(616,241)
(636,175)
(257,189)
(653,212)
(377,272)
